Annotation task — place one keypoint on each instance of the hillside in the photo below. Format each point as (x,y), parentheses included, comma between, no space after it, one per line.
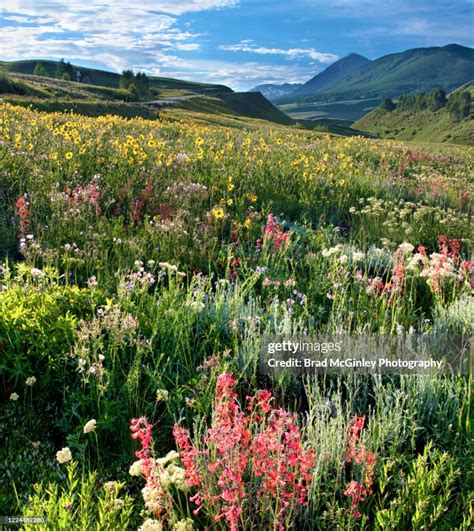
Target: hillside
(91,76)
(241,110)
(338,70)
(240,104)
(272,92)
(416,70)
(422,125)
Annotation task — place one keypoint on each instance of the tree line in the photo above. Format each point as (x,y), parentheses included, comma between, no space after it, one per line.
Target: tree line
(137,84)
(458,104)
(64,70)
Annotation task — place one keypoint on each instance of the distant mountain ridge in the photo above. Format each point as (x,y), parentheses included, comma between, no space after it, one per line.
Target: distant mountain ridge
(415,70)
(338,70)
(272,91)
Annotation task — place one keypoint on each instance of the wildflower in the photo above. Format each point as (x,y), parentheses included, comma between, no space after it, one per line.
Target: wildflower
(92,282)
(273,232)
(406,248)
(183,525)
(162,395)
(251,197)
(196,306)
(172,455)
(136,468)
(69,155)
(358,256)
(118,504)
(64,455)
(35,272)
(230,202)
(22,207)
(151,525)
(30,381)
(376,286)
(110,486)
(14,397)
(90,426)
(248,223)
(361,456)
(327,253)
(218,213)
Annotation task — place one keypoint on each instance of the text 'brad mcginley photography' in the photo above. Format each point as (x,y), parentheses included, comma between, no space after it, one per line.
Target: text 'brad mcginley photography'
(390,354)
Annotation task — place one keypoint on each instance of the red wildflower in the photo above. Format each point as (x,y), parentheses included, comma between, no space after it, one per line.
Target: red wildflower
(361,456)
(22,211)
(273,232)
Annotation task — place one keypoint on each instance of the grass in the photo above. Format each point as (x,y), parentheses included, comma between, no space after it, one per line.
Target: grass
(145,259)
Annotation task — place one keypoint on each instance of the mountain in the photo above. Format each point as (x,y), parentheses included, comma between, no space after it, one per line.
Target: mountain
(272,92)
(421,125)
(415,70)
(338,70)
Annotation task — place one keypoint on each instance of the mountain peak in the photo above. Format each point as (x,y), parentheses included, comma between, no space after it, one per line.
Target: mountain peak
(333,73)
(355,55)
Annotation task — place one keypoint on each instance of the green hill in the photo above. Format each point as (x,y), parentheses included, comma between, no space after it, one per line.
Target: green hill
(248,104)
(424,125)
(103,78)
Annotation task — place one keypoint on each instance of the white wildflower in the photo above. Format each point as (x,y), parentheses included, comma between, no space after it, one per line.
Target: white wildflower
(64,455)
(90,426)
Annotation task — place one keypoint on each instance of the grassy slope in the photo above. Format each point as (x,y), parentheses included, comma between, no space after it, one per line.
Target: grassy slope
(248,104)
(112,79)
(421,125)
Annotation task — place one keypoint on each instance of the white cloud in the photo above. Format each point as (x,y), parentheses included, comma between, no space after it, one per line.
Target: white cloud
(173,7)
(124,33)
(147,36)
(292,53)
(240,76)
(190,47)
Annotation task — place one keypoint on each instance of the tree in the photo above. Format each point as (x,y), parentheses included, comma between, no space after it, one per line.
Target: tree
(40,70)
(436,99)
(142,82)
(459,105)
(126,79)
(64,70)
(387,105)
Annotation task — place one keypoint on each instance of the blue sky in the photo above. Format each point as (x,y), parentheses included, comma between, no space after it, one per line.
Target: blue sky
(240,43)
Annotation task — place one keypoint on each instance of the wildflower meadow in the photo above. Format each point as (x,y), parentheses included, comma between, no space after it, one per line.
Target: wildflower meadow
(142,264)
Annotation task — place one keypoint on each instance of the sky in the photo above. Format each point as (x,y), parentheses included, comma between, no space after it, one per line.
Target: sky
(240,43)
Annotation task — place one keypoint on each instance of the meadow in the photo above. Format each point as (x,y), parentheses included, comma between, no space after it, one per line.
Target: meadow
(142,264)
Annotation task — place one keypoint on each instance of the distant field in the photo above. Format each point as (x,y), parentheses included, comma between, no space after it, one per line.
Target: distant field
(350,110)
